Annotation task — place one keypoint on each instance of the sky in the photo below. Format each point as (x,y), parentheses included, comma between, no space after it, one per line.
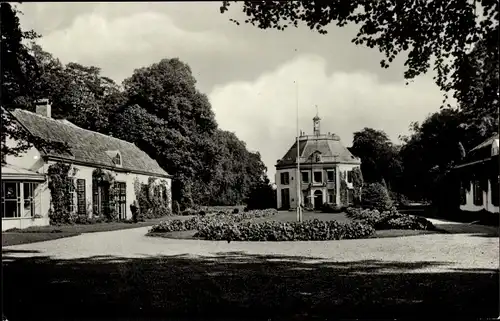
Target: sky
(255,79)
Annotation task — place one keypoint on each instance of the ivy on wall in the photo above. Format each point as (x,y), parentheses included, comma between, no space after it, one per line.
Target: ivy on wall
(60,177)
(357,184)
(106,180)
(153,198)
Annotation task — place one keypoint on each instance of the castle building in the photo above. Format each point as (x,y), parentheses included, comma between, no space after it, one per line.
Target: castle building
(324,163)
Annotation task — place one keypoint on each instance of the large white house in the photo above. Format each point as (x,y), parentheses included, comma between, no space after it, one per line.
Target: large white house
(324,163)
(26,198)
(480,179)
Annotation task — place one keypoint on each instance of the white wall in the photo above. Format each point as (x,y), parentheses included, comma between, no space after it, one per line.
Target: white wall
(85,172)
(487,205)
(293,183)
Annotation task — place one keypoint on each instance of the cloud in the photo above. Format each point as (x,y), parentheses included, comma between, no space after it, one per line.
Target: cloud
(263,112)
(95,34)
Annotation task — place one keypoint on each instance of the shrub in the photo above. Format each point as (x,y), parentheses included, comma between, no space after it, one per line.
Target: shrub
(330,208)
(375,196)
(390,219)
(236,211)
(176,208)
(195,223)
(311,230)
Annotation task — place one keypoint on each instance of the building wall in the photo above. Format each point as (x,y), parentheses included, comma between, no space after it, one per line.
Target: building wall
(85,172)
(487,204)
(311,168)
(32,160)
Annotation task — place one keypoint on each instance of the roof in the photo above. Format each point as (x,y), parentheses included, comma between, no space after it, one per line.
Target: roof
(87,146)
(10,171)
(329,146)
(482,152)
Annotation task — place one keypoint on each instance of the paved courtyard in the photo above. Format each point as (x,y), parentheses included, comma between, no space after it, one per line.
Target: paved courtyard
(125,273)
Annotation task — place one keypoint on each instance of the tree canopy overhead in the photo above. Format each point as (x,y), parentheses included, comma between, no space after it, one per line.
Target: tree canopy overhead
(435,34)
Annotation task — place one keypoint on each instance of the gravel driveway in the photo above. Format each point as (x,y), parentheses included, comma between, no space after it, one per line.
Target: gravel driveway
(457,250)
(126,275)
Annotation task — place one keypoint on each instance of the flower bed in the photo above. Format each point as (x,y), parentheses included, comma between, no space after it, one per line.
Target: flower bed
(390,219)
(312,230)
(195,223)
(236,227)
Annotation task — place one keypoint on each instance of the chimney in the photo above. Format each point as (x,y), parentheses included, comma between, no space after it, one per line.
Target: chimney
(43,107)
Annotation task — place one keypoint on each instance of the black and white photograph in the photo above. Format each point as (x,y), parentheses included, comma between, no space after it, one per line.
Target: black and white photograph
(250,160)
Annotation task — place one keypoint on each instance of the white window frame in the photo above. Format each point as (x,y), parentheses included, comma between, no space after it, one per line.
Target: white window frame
(20,200)
(330,171)
(73,207)
(314,177)
(302,178)
(285,181)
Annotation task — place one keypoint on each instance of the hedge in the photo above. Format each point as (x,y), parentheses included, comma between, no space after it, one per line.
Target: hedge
(387,220)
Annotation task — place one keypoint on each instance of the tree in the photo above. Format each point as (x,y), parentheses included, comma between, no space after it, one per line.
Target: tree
(379,158)
(433,148)
(434,32)
(17,64)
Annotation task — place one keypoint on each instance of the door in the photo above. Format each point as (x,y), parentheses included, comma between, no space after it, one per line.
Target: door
(121,200)
(318,199)
(285,198)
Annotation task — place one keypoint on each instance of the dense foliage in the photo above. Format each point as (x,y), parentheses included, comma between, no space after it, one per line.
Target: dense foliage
(153,200)
(60,185)
(238,227)
(375,196)
(158,108)
(389,219)
(311,230)
(197,222)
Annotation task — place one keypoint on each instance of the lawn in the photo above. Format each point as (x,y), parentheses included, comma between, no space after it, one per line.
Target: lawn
(46,233)
(241,286)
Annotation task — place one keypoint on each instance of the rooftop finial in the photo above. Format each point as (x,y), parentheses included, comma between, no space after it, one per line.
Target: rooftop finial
(316,120)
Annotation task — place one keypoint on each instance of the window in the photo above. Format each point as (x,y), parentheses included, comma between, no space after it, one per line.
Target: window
(15,194)
(331,197)
(80,197)
(463,194)
(72,193)
(117,160)
(318,177)
(477,194)
(331,175)
(121,200)
(349,176)
(495,190)
(285,178)
(28,196)
(305,177)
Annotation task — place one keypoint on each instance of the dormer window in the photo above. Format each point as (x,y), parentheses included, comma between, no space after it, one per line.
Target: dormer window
(117,160)
(115,157)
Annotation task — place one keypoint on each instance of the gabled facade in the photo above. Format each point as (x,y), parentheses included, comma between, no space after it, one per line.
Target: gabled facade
(26,197)
(479,176)
(324,163)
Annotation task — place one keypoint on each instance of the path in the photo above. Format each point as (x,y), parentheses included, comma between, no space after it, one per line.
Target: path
(454,249)
(126,275)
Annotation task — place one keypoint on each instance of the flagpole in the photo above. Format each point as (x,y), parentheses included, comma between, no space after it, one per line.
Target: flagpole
(298,180)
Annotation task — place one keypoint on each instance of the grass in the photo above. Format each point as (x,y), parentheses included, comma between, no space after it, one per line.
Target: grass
(52,232)
(242,286)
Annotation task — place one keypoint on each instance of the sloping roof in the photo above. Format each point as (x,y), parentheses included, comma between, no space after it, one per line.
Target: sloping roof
(10,171)
(482,152)
(329,146)
(87,146)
